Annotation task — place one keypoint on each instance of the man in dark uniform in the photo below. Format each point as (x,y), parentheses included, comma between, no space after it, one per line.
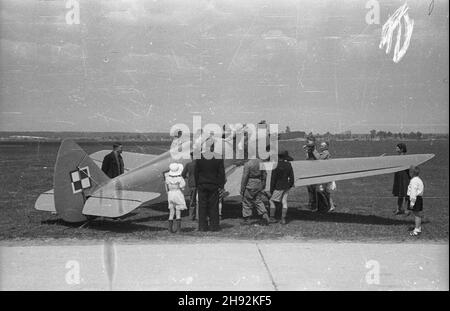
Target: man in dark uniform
(113,163)
(209,178)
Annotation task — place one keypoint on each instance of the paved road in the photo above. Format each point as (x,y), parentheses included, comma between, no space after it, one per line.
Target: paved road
(226,266)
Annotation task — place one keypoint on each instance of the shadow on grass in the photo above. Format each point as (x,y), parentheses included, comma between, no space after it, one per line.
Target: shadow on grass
(122,226)
(234,210)
(160,208)
(346,218)
(118,226)
(231,210)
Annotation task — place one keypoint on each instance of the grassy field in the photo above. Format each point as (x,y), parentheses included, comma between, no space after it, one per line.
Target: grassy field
(364,206)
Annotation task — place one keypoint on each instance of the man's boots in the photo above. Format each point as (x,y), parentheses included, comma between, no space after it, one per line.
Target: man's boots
(171,226)
(283,216)
(178,226)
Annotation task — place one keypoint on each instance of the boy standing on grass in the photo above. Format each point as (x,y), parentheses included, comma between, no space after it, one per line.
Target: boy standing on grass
(415,193)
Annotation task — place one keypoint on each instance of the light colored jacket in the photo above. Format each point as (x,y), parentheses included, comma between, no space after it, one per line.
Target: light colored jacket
(253,177)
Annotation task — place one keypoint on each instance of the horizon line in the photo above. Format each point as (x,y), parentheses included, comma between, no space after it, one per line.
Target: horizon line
(283,132)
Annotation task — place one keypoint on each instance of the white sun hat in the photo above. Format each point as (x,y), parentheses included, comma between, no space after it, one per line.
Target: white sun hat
(175,169)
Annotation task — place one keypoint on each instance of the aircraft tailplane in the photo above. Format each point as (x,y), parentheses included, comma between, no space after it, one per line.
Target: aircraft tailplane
(76,176)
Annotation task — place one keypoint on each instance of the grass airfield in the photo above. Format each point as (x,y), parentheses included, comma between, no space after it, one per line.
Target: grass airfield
(364,206)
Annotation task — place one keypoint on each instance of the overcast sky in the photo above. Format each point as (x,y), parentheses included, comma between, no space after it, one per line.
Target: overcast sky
(139,66)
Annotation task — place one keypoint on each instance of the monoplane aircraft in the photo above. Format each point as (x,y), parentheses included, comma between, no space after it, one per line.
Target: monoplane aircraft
(81,189)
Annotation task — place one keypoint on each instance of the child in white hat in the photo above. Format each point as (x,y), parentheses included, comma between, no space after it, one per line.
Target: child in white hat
(175,185)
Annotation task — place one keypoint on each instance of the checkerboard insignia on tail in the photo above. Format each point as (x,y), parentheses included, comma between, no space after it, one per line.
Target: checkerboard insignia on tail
(82,189)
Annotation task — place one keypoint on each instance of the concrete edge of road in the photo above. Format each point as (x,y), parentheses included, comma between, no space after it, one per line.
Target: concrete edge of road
(202,240)
(256,264)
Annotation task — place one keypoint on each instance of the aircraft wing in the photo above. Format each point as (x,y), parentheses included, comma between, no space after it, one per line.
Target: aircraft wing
(109,202)
(324,171)
(130,159)
(233,180)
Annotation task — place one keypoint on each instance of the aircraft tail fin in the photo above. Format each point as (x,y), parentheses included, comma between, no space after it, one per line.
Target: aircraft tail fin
(76,176)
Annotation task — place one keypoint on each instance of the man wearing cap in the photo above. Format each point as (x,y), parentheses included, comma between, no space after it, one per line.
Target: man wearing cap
(112,164)
(252,191)
(281,181)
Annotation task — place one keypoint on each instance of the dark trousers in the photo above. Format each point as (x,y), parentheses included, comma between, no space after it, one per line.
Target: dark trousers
(400,201)
(208,207)
(193,211)
(312,196)
(323,200)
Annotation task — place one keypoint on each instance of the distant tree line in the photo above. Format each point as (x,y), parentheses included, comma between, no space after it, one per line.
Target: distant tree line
(389,135)
(372,135)
(165,138)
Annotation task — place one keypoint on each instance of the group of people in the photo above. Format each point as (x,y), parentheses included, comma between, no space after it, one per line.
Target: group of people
(319,195)
(206,180)
(253,185)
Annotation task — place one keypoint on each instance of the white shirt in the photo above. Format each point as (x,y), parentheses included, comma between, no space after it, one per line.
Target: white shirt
(415,189)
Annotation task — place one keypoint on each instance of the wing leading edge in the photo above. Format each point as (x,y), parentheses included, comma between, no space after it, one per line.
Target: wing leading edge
(323,171)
